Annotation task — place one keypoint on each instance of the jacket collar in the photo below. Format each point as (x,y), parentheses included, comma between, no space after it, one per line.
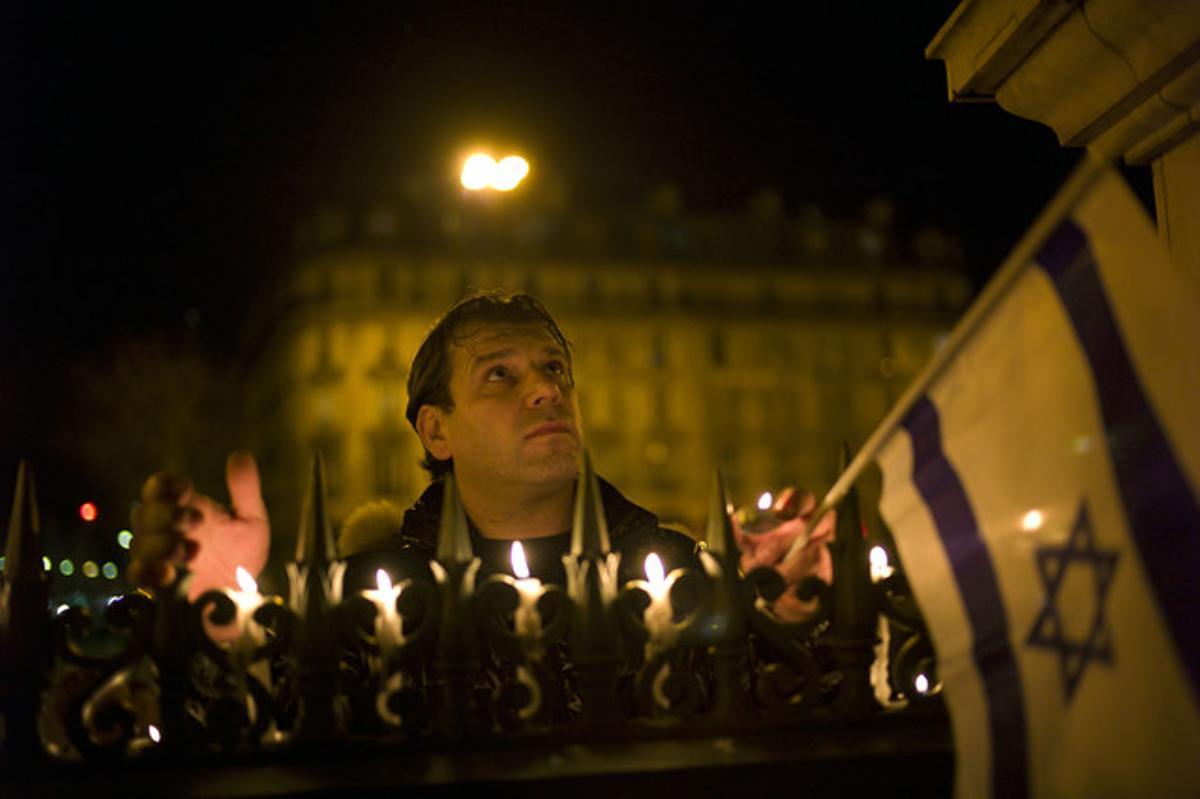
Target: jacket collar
(420,526)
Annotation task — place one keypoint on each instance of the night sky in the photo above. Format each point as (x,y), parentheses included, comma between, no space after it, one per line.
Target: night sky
(156,159)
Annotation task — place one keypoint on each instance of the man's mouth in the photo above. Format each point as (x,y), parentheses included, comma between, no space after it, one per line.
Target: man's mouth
(549,428)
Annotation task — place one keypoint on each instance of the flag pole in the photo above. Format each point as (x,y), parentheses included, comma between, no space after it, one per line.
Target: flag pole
(1092,166)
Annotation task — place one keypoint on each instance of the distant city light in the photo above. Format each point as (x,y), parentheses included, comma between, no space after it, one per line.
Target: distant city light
(67,568)
(46,563)
(155,735)
(90,569)
(124,538)
(109,570)
(87,511)
(921,684)
(1,563)
(61,609)
(1032,520)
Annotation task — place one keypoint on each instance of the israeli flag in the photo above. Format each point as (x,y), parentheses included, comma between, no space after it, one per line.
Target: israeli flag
(1041,485)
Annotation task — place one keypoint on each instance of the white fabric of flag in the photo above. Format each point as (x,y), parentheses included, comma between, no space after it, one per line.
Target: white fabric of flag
(1042,492)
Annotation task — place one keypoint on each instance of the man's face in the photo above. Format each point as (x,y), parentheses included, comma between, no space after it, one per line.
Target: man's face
(515,418)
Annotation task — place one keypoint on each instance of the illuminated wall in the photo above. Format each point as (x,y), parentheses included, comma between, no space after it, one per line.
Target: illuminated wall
(763,369)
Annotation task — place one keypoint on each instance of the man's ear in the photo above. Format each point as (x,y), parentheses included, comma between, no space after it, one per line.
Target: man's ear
(431,428)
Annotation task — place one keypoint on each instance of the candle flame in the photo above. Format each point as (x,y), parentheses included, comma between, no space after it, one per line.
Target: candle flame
(765,500)
(880,568)
(383,581)
(921,684)
(246,582)
(654,569)
(155,735)
(519,564)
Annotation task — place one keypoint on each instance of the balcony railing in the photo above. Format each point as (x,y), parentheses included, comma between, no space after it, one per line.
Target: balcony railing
(680,680)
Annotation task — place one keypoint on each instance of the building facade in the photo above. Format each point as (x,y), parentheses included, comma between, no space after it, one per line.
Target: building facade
(685,359)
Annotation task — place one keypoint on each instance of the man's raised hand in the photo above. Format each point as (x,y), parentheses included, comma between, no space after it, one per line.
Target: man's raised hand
(773,548)
(176,527)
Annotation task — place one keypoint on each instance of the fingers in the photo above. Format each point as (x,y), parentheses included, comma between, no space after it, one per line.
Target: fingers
(161,522)
(826,528)
(245,487)
(151,574)
(791,501)
(159,529)
(166,487)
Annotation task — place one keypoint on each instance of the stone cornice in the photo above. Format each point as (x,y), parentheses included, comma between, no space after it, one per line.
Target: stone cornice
(1120,76)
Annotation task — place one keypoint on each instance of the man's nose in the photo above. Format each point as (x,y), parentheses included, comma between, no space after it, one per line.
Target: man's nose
(545,391)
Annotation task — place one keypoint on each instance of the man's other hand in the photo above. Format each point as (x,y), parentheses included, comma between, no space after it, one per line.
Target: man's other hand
(772,548)
(175,527)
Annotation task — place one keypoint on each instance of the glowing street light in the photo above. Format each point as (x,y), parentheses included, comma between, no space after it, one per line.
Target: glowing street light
(477,172)
(481,171)
(509,172)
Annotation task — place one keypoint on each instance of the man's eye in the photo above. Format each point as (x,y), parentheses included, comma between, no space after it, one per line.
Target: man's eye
(556,368)
(497,373)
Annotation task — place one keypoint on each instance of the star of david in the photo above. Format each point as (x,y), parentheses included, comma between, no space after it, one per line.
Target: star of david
(1048,630)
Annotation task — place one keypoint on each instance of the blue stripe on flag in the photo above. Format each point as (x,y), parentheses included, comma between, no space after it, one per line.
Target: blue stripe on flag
(1163,515)
(943,493)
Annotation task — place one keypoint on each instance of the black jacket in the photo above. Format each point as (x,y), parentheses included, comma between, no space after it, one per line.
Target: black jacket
(633,533)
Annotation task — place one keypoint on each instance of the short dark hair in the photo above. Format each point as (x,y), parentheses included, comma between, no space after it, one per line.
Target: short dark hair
(429,376)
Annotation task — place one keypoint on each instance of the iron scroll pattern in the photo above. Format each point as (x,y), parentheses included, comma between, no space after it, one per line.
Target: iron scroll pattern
(456,657)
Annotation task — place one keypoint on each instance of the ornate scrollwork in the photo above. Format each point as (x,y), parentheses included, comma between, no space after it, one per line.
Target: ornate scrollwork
(523,638)
(667,682)
(794,682)
(237,695)
(912,669)
(100,702)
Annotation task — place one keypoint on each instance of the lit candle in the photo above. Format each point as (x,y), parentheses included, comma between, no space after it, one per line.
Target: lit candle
(880,568)
(527,620)
(387,620)
(657,616)
(250,634)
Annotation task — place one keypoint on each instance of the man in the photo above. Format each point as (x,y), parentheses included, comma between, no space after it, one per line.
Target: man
(492,397)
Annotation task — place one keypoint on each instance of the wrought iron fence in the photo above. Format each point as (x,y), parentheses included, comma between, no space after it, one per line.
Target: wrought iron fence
(451,657)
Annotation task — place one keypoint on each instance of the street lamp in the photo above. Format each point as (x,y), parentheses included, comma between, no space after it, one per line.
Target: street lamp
(480,171)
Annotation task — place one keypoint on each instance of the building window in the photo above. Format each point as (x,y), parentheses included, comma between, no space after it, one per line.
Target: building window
(716,346)
(328,443)
(387,453)
(661,410)
(658,350)
(324,370)
(389,404)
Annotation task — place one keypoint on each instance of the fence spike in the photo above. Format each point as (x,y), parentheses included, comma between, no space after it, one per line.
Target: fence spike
(454,537)
(589,532)
(23,550)
(718,536)
(315,544)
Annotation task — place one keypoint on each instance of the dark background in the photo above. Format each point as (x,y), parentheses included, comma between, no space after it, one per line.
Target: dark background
(156,158)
